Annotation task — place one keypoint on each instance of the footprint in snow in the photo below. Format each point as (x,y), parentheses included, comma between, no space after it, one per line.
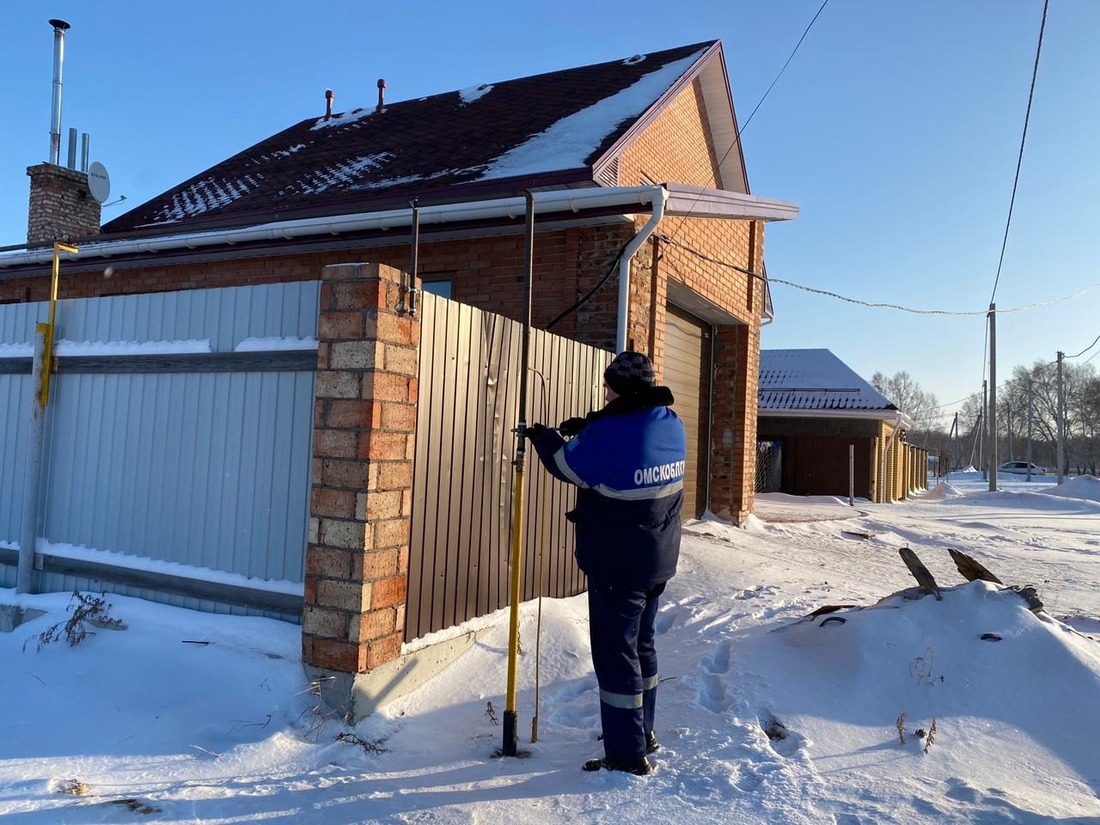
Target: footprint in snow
(719,661)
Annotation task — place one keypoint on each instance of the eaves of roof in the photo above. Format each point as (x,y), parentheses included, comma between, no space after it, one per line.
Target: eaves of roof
(868,415)
(594,205)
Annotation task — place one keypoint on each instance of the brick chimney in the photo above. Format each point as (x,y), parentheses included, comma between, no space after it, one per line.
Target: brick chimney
(61,206)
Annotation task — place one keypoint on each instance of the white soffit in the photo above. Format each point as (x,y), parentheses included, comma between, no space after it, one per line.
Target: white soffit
(693,201)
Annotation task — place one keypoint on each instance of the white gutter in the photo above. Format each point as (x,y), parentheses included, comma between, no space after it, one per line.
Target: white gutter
(898,418)
(659,198)
(626,198)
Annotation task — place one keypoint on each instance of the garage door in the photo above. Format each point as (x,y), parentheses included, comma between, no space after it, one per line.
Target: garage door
(686,373)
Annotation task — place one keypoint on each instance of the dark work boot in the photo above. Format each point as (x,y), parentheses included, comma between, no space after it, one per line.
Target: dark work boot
(638,767)
(651,743)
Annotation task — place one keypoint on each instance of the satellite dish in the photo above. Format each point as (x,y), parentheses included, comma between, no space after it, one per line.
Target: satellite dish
(99,182)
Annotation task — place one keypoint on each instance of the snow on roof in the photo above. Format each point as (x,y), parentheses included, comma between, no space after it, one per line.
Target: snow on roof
(558,126)
(470,95)
(572,140)
(813,379)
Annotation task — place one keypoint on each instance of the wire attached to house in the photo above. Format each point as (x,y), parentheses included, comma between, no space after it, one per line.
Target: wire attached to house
(733,145)
(772,86)
(588,296)
(741,129)
(876,305)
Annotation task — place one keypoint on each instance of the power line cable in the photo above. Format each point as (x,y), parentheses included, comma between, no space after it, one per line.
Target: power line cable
(588,295)
(1086,349)
(875,304)
(727,264)
(986,354)
(741,129)
(794,51)
(1020,157)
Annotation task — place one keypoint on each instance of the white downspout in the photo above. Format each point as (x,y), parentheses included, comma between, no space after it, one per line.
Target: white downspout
(660,197)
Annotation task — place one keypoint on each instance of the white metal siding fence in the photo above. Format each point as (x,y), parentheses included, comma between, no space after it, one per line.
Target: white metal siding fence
(202,464)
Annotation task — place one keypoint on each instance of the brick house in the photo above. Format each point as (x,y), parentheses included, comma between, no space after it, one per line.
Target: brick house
(814,414)
(646,237)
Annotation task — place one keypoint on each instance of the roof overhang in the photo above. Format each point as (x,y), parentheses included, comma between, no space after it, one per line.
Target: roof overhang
(696,202)
(889,416)
(557,207)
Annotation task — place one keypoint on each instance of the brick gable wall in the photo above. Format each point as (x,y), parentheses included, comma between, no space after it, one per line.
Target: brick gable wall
(677,147)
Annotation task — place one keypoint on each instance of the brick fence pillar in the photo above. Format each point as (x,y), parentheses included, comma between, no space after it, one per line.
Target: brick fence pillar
(733,445)
(363,447)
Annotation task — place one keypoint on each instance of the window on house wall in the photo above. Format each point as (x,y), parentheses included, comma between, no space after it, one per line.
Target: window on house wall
(437,286)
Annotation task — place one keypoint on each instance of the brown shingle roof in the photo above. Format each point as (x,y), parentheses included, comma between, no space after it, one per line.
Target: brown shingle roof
(545,130)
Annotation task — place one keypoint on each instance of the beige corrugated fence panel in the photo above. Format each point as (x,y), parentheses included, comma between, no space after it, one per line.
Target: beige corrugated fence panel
(467,413)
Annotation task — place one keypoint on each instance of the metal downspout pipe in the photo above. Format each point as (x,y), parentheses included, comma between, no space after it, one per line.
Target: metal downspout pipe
(660,198)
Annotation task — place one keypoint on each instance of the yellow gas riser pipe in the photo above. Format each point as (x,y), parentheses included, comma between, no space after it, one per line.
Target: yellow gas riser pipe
(510,721)
(47,361)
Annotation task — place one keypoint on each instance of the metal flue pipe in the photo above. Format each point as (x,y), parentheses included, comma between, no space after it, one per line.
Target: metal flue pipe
(59,29)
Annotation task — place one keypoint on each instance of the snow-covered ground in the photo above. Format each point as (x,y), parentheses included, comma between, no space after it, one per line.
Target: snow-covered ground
(185,717)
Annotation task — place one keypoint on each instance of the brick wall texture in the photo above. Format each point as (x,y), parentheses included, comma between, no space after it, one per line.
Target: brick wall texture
(364,428)
(60,208)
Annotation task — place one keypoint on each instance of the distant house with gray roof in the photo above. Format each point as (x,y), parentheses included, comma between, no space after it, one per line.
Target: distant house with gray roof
(823,430)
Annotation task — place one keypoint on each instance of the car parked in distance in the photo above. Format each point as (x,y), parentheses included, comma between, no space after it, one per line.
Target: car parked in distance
(1021,468)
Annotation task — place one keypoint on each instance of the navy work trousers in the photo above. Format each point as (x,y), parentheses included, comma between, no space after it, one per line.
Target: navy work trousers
(622,626)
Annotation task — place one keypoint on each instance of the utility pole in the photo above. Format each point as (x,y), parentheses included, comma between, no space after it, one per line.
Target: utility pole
(955,430)
(985,431)
(1061,420)
(992,397)
(975,443)
(1029,429)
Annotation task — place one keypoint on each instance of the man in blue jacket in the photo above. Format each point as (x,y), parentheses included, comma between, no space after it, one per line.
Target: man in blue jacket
(628,461)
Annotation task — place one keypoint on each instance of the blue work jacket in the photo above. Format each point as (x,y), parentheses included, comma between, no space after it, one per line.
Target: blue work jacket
(628,463)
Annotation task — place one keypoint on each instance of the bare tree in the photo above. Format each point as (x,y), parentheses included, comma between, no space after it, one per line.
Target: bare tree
(1082,398)
(909,397)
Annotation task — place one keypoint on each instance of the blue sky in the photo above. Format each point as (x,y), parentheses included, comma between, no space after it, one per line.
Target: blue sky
(895,128)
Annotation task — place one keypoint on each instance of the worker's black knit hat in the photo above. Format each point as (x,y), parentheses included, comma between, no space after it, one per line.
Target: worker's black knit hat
(629,373)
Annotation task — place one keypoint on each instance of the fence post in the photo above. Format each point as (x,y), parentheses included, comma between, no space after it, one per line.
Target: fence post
(357,557)
(28,539)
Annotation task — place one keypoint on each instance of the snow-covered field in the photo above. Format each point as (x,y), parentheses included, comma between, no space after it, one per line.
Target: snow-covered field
(186,717)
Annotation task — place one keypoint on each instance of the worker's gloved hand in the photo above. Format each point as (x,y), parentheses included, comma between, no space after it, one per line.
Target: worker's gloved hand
(536,430)
(571,426)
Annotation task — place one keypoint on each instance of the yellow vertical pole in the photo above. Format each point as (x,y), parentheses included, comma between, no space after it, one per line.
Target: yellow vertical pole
(511,730)
(47,358)
(40,376)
